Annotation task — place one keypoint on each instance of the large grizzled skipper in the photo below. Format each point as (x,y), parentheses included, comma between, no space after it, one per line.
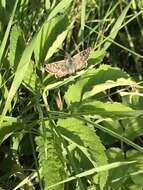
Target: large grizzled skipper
(69,65)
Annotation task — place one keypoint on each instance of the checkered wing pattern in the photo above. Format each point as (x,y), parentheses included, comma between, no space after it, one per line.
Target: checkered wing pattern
(58,68)
(68,66)
(80,59)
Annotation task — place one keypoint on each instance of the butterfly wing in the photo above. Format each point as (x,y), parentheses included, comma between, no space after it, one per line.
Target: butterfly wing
(68,66)
(80,59)
(58,68)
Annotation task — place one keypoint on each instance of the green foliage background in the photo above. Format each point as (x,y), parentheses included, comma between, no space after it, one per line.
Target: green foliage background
(82,132)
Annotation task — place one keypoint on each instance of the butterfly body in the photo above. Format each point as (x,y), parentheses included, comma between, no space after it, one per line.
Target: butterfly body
(68,66)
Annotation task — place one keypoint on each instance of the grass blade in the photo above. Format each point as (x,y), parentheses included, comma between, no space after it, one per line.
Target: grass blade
(2,47)
(19,76)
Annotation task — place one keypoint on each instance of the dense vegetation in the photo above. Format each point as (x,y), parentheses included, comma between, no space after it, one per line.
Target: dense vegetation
(79,132)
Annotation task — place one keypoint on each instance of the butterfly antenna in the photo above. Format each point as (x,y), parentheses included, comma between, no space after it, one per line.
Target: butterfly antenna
(76,46)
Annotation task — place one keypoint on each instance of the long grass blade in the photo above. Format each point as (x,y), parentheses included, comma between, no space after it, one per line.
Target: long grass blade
(3,44)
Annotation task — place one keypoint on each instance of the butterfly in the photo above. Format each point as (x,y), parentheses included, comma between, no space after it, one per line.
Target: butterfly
(70,65)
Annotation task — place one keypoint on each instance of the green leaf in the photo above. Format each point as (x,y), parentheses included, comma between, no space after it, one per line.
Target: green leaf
(134,99)
(86,84)
(133,127)
(116,27)
(19,76)
(83,136)
(9,127)
(56,44)
(113,125)
(30,79)
(136,171)
(107,109)
(60,8)
(92,171)
(96,57)
(120,173)
(51,160)
(83,14)
(48,36)
(3,44)
(17,45)
(107,85)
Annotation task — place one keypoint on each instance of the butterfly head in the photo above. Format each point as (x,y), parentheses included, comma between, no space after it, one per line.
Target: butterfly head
(70,64)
